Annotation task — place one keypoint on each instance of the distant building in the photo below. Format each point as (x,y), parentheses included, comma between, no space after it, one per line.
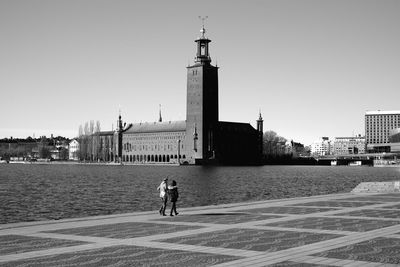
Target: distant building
(349,145)
(321,147)
(159,142)
(295,149)
(200,139)
(394,139)
(73,149)
(377,127)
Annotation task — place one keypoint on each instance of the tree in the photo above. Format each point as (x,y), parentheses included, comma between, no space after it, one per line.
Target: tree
(273,143)
(63,153)
(89,138)
(97,141)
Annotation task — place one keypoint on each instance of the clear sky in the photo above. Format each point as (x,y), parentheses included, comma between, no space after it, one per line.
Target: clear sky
(313,67)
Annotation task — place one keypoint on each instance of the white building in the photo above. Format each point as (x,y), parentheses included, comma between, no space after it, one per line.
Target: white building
(322,147)
(73,149)
(377,127)
(349,145)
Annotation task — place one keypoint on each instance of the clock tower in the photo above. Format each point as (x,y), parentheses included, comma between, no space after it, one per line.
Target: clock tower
(202,104)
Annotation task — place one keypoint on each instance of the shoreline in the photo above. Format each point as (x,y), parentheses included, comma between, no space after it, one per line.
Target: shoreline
(90,163)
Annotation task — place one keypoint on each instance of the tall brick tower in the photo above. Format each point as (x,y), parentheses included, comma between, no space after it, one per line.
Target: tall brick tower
(202,104)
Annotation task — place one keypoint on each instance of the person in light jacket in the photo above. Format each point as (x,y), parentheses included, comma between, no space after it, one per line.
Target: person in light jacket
(163,188)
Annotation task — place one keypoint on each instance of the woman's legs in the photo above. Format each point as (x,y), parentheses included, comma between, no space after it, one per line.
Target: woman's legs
(164,205)
(173,209)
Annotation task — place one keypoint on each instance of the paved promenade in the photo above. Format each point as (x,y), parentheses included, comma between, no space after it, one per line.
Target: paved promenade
(330,230)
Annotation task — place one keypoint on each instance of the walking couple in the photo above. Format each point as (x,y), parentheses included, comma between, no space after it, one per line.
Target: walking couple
(172,191)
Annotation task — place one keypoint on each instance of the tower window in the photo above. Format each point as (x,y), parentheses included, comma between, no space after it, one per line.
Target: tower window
(203,50)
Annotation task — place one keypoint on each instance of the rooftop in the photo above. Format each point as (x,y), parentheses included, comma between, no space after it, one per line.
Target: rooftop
(382,112)
(150,127)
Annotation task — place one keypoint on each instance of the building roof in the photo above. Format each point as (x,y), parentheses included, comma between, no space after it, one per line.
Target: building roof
(156,127)
(353,137)
(235,126)
(104,133)
(382,112)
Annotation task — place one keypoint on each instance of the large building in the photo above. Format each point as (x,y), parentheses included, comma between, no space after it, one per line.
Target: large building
(377,128)
(349,145)
(201,138)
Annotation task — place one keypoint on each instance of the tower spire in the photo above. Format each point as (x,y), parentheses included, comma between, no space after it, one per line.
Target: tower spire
(119,121)
(202,55)
(203,31)
(159,113)
(260,122)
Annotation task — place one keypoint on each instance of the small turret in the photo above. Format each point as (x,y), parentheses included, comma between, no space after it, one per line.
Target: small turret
(260,123)
(202,55)
(159,115)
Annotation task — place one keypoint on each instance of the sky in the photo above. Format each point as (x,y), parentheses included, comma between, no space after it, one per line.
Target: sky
(313,67)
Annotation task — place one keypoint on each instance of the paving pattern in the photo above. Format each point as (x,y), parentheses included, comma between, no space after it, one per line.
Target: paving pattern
(330,230)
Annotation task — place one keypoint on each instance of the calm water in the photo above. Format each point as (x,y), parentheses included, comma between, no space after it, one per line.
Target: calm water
(41,192)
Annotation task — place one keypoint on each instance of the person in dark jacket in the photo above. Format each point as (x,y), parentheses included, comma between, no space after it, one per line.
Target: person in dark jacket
(174,195)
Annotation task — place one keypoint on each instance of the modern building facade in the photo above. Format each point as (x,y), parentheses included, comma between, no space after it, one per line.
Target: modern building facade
(321,147)
(377,127)
(201,138)
(349,145)
(394,139)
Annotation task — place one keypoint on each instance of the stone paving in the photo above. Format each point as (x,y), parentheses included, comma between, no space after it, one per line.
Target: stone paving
(351,229)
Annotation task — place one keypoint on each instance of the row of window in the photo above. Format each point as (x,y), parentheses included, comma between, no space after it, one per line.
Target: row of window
(151,158)
(153,147)
(382,116)
(377,133)
(164,136)
(382,121)
(377,141)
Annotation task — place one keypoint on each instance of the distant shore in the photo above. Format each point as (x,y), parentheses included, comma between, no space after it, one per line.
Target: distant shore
(88,163)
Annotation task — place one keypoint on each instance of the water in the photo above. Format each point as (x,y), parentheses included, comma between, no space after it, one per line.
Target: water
(42,192)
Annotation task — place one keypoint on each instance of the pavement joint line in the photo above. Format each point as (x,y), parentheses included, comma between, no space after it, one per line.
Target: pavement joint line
(202,249)
(363,218)
(292,229)
(182,223)
(53,251)
(389,208)
(88,239)
(65,225)
(180,233)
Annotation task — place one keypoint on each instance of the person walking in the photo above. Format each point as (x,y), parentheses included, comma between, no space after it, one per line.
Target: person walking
(163,188)
(174,195)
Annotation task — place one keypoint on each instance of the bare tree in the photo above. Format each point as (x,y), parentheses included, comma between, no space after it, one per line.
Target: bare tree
(97,141)
(273,143)
(89,141)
